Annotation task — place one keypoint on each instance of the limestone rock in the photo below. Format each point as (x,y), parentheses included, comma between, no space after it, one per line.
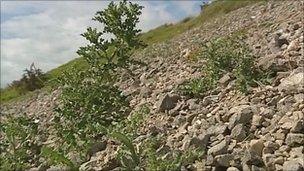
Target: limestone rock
(293,82)
(292,166)
(238,132)
(220,148)
(256,146)
(224,160)
(294,139)
(168,102)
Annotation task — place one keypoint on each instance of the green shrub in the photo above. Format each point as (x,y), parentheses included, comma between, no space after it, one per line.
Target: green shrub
(19,149)
(32,79)
(223,55)
(90,101)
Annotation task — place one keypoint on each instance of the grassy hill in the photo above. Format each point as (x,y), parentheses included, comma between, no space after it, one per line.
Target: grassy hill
(159,34)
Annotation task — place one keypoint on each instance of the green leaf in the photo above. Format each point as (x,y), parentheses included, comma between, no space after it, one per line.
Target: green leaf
(127,142)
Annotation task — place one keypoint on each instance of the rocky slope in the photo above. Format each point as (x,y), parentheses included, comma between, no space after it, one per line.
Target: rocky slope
(263,130)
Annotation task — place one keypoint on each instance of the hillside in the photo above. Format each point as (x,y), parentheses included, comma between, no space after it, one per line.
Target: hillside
(259,129)
(153,36)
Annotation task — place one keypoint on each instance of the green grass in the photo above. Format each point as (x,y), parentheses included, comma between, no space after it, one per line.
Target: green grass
(168,31)
(159,34)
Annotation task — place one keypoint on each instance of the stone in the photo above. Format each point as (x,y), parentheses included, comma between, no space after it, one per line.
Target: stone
(297,152)
(292,166)
(294,139)
(168,102)
(145,92)
(280,40)
(209,160)
(298,127)
(242,114)
(192,104)
(238,132)
(225,79)
(105,160)
(251,158)
(256,146)
(232,169)
(270,147)
(200,141)
(279,160)
(218,129)
(58,168)
(220,148)
(224,160)
(267,62)
(293,82)
(96,147)
(255,168)
(256,120)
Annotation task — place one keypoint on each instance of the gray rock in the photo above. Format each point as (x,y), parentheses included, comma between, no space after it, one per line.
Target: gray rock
(224,160)
(192,104)
(242,114)
(200,141)
(224,80)
(267,62)
(256,146)
(280,40)
(255,168)
(298,127)
(294,139)
(217,129)
(145,92)
(238,132)
(33,169)
(292,166)
(251,158)
(220,148)
(232,169)
(297,152)
(293,82)
(168,102)
(58,168)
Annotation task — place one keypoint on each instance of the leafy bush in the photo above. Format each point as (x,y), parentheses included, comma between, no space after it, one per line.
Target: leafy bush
(19,149)
(32,79)
(224,55)
(90,101)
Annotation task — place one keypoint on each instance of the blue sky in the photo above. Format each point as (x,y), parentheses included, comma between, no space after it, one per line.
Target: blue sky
(48,32)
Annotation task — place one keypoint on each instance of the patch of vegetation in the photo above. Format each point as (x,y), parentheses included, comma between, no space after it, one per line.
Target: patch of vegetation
(146,157)
(18,145)
(90,102)
(130,125)
(210,11)
(224,55)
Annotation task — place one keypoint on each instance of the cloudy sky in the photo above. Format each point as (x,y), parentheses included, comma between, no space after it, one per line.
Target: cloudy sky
(48,32)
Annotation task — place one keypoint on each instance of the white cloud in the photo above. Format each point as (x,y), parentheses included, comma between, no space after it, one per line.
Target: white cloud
(48,33)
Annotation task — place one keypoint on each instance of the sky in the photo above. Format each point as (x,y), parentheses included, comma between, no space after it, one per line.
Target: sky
(48,32)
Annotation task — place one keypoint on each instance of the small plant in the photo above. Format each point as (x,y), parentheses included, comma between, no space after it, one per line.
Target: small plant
(128,156)
(19,150)
(135,120)
(224,55)
(146,157)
